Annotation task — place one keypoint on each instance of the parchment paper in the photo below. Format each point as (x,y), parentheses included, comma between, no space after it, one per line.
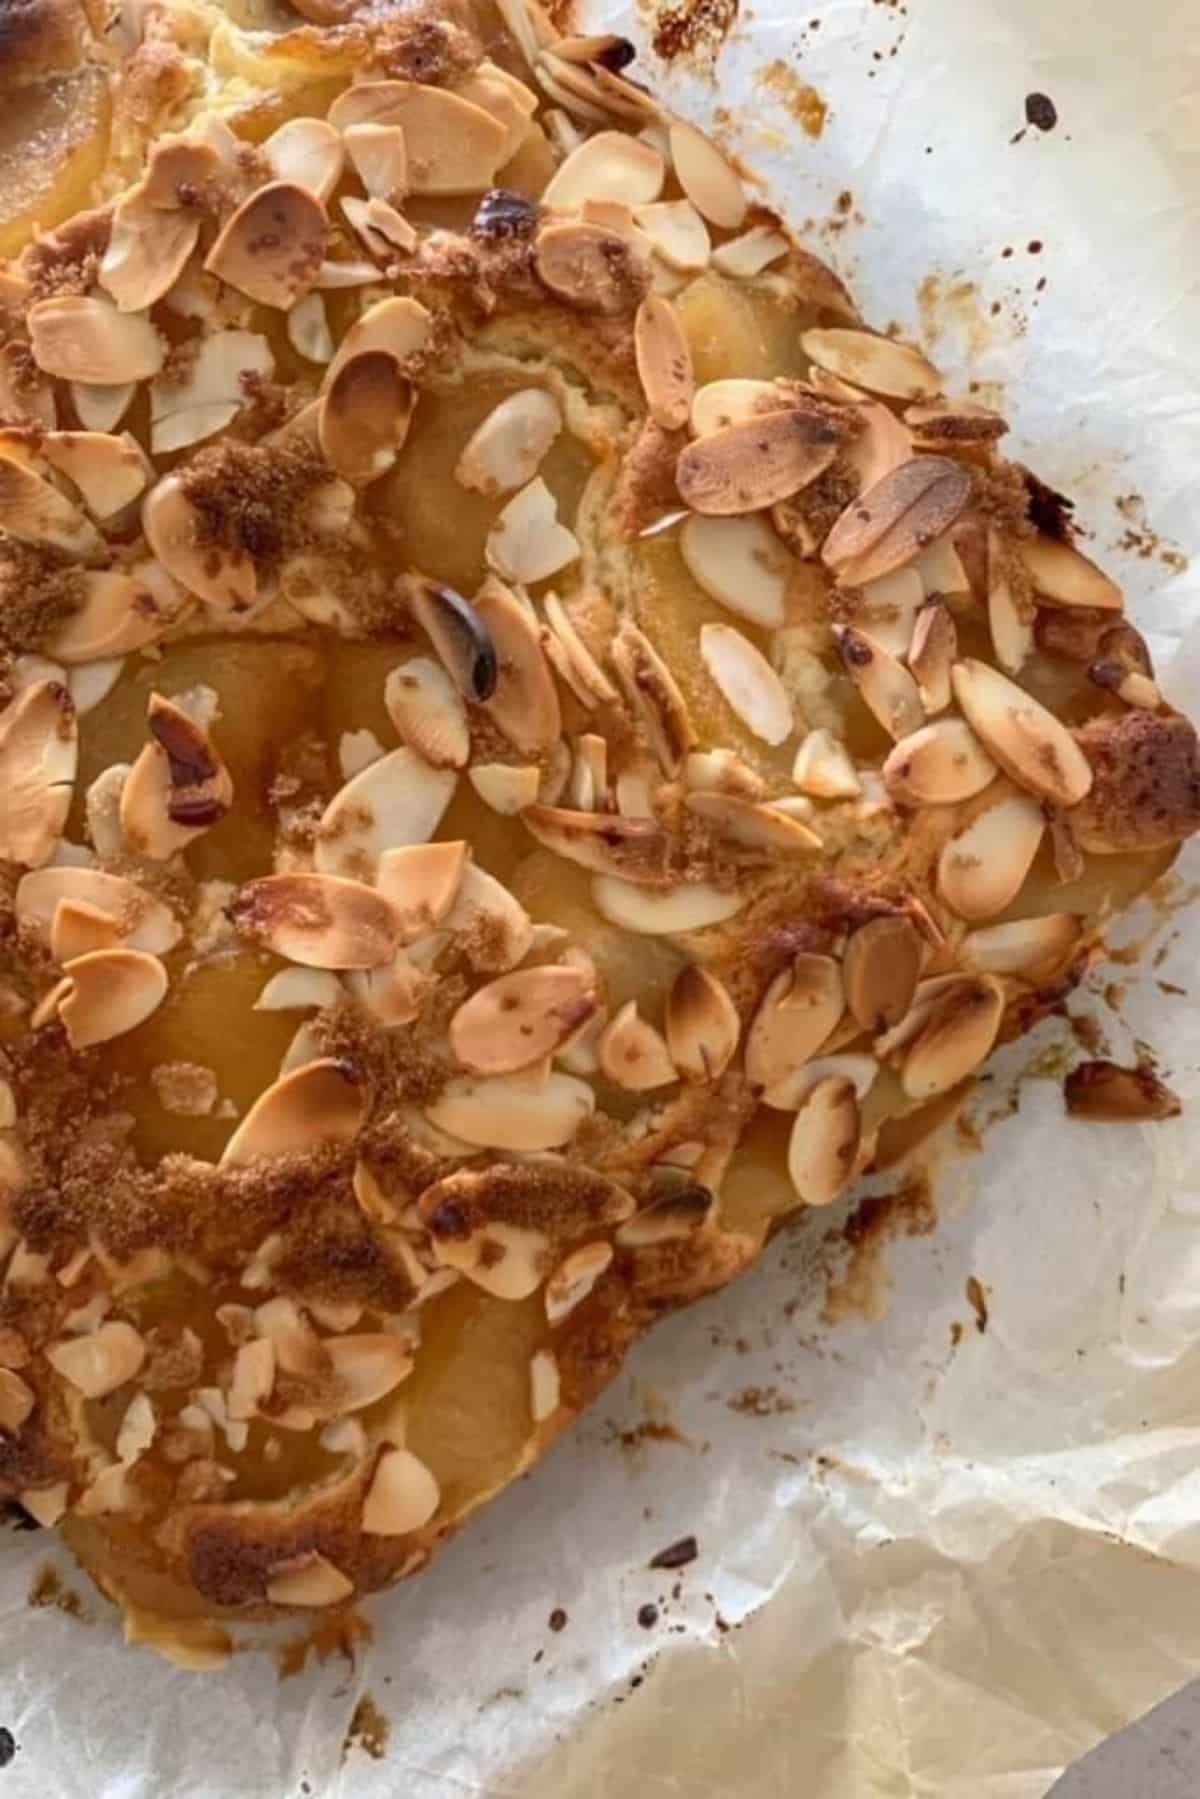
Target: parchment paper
(924,1568)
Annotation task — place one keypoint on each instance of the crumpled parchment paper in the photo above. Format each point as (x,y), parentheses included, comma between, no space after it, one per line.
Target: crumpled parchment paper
(933,1559)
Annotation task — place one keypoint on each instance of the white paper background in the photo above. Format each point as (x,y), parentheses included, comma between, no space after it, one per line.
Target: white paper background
(997,1560)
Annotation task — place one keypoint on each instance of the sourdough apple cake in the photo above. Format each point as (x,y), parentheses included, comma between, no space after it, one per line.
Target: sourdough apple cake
(534,745)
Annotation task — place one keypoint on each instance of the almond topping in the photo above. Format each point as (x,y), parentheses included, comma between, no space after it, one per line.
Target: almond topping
(723,771)
(108,992)
(118,613)
(503,787)
(682,1211)
(932,654)
(321,1102)
(635,849)
(174,529)
(664,362)
(896,519)
(983,868)
(670,913)
(510,1112)
(101,408)
(769,827)
(545,1386)
(881,967)
(147,251)
(654,696)
(453,146)
(398,326)
(1028,946)
(496,931)
(88,340)
(676,233)
(884,684)
(398,800)
(424,705)
(211,391)
(702,1025)
(46,1504)
(799,1010)
(731,402)
(365,415)
(110,472)
(460,637)
(142,922)
(1063,576)
(939,765)
(521,1017)
(609,166)
(1028,742)
(308,329)
(748,255)
(421,882)
(633,1054)
(958,1036)
(741,563)
(318,920)
(877,363)
(591,267)
(298,990)
(823,767)
(307,153)
(524,701)
(574,1279)
(367,1367)
(39,749)
(307,1580)
(99,1363)
(402,1496)
(272,247)
(824,1143)
(527,542)
(507,449)
(706,177)
(861,1071)
(79,929)
(747,681)
(753,464)
(253,1378)
(392,994)
(177,788)
(33,511)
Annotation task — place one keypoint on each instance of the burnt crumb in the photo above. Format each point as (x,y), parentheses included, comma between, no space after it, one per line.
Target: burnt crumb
(557,1620)
(503,214)
(16,1517)
(676,1555)
(8,1746)
(1049,510)
(760,1402)
(977,1300)
(1041,111)
(694,28)
(368,1729)
(647,1616)
(1107,1093)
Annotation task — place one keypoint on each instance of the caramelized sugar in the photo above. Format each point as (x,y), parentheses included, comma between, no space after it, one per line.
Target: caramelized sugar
(735,332)
(53,146)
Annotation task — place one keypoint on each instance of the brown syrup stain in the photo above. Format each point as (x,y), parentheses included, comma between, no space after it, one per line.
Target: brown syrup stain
(952,307)
(368,1730)
(800,98)
(1139,538)
(977,1300)
(339,1635)
(49,1590)
(650,1430)
(863,1286)
(760,1402)
(695,30)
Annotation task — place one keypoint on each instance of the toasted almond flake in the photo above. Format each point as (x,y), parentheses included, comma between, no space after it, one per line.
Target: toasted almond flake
(403,1495)
(676,233)
(110,472)
(886,610)
(588,788)
(741,563)
(527,542)
(522,1017)
(307,1580)
(574,1279)
(1027,946)
(252,1380)
(730,402)
(1009,620)
(753,464)
(272,247)
(225,579)
(143,922)
(889,525)
(882,446)
(770,828)
(39,749)
(983,868)
(659,914)
(884,684)
(503,787)
(318,920)
(211,392)
(702,1025)
(635,849)
(881,967)
(321,1102)
(118,613)
(460,637)
(747,681)
(507,1112)
(495,929)
(932,653)
(748,255)
(891,1043)
(545,1386)
(860,1070)
(346,272)
(109,992)
(356,751)
(34,511)
(79,928)
(877,363)
(16,1402)
(101,407)
(298,990)
(507,449)
(633,1054)
(939,765)
(88,340)
(424,705)
(591,267)
(664,362)
(943,423)
(178,788)
(823,767)
(958,1036)
(46,1504)
(941,570)
(824,1144)
(799,1010)
(609,166)
(365,415)
(506,1260)
(308,329)
(306,153)
(396,801)
(394,993)
(99,1363)
(655,697)
(1026,739)
(524,701)
(147,251)
(1064,576)
(706,177)
(722,771)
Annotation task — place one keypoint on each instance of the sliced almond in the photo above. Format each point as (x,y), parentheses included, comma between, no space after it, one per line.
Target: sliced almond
(885,685)
(887,608)
(932,654)
(178,787)
(453,146)
(879,364)
(1026,946)
(635,849)
(91,684)
(686,1207)
(367,1367)
(110,472)
(147,251)
(509,1112)
(494,928)
(460,637)
(655,697)
(34,511)
(889,525)
(210,393)
(308,329)
(299,990)
(676,233)
(398,800)
(101,408)
(747,682)
(824,1144)
(522,1017)
(307,153)
(722,771)
(574,1279)
(109,992)
(365,414)
(633,1054)
(403,1495)
(746,256)
(958,1036)
(398,326)
(322,1102)
(881,967)
(527,542)
(273,246)
(592,267)
(861,1071)
(1064,576)
(96,1365)
(939,765)
(252,1380)
(524,701)
(741,563)
(609,166)
(823,767)
(706,178)
(983,868)
(118,613)
(1026,739)
(799,1010)
(669,913)
(733,401)
(79,929)
(503,787)
(175,531)
(309,1580)
(588,789)
(318,920)
(507,449)
(664,362)
(143,922)
(1010,613)
(753,464)
(46,1504)
(941,570)
(424,705)
(702,1025)
(88,340)
(942,424)
(39,750)
(545,1385)
(772,829)
(394,993)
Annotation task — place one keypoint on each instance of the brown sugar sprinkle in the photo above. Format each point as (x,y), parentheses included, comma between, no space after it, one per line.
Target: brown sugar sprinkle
(39,590)
(68,260)
(252,498)
(396,1066)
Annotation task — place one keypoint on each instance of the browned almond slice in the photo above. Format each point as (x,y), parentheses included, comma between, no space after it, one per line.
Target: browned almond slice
(634,849)
(702,1023)
(39,750)
(88,340)
(399,326)
(574,1279)
(1026,946)
(932,654)
(823,767)
(79,928)
(507,449)
(889,1044)
(118,613)
(686,1207)
(676,233)
(942,424)
(505,788)
(885,685)
(109,992)
(612,165)
(592,267)
(1064,576)
(97,1364)
(177,788)
(798,1011)
(365,414)
(273,246)
(770,828)
(655,697)
(307,153)
(424,705)
(941,570)
(33,511)
(147,250)
(527,542)
(308,329)
(101,408)
(495,929)
(824,1144)
(511,1112)
(886,609)
(586,678)
(731,402)
(453,146)
(143,922)
(110,472)
(175,531)
(881,967)
(307,1580)
(633,1054)
(672,912)
(393,993)
(380,158)
(751,465)
(741,563)
(894,521)
(1011,613)
(366,1366)
(545,1385)
(723,771)
(318,920)
(861,1071)
(664,362)
(403,1495)
(322,1102)
(706,178)
(459,635)
(879,364)
(253,1378)
(588,787)
(1026,739)
(959,1035)
(748,255)
(747,681)
(189,405)
(521,1017)
(298,989)
(983,868)
(939,765)
(882,446)
(346,272)
(524,700)
(180,169)
(397,800)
